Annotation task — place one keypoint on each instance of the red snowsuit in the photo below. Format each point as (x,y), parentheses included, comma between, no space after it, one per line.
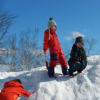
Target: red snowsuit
(12,90)
(51,41)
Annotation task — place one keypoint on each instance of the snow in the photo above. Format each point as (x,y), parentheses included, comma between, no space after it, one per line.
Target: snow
(85,86)
(4,68)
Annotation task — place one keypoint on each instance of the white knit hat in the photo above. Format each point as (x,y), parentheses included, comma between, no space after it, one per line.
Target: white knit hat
(51,23)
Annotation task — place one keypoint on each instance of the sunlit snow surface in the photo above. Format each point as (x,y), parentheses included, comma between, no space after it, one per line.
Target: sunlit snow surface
(85,86)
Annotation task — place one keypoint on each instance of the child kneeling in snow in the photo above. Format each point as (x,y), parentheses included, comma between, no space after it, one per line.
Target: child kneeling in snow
(51,42)
(12,90)
(78,59)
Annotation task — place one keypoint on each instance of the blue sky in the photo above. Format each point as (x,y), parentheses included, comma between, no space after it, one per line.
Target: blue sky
(70,15)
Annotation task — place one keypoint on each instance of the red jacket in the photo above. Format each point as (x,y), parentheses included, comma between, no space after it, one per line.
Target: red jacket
(51,41)
(12,90)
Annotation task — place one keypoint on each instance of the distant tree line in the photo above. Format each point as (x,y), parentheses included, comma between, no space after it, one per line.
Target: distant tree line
(19,52)
(22,52)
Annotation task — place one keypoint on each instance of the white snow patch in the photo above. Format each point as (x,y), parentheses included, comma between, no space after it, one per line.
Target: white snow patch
(85,86)
(4,68)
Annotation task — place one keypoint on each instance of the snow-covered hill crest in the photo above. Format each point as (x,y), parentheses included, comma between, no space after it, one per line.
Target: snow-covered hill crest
(85,86)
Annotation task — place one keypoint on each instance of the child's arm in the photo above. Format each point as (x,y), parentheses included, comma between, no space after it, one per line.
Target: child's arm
(24,93)
(46,39)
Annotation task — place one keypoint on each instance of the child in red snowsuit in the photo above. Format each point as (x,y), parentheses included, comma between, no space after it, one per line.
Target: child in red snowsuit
(51,42)
(12,90)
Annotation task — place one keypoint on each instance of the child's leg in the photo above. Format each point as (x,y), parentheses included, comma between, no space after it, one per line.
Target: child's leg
(51,71)
(53,62)
(82,66)
(78,66)
(62,61)
(73,66)
(72,69)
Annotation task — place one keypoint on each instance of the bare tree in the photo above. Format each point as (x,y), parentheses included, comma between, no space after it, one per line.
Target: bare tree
(67,52)
(89,45)
(12,52)
(27,46)
(6,21)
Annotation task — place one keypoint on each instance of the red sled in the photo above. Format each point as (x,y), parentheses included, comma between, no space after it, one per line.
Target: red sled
(47,65)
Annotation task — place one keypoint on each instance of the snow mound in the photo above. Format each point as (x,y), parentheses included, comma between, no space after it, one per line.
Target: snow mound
(85,86)
(4,68)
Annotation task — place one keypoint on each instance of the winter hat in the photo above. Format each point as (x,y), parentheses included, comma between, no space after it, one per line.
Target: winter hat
(51,23)
(18,80)
(79,40)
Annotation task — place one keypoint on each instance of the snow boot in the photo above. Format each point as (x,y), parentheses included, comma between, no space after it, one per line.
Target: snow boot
(79,71)
(65,70)
(71,72)
(51,71)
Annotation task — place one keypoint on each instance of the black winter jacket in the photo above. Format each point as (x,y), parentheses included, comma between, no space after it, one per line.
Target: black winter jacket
(78,55)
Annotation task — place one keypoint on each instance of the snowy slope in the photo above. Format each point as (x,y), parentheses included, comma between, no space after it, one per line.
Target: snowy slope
(85,86)
(4,68)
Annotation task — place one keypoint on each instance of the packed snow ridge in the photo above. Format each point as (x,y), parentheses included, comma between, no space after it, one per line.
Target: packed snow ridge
(85,86)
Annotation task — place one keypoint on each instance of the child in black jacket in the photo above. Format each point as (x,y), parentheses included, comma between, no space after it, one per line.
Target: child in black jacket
(78,59)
